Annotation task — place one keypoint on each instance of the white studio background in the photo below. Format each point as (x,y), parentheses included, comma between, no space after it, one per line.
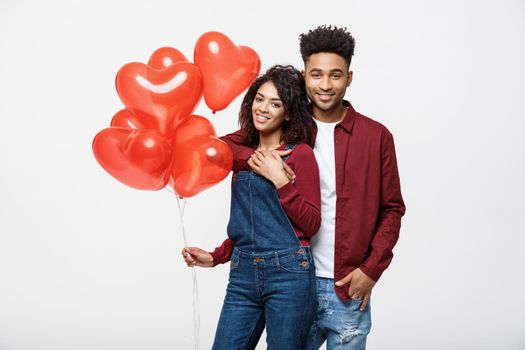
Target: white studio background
(87,263)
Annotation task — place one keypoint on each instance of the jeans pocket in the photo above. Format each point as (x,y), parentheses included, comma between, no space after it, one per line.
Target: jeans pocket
(234,262)
(295,264)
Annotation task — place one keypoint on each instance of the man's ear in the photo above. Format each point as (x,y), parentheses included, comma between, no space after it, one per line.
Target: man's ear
(303,72)
(350,77)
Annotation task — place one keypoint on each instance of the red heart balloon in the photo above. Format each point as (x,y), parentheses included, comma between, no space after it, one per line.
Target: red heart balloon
(191,127)
(125,119)
(165,56)
(227,69)
(139,159)
(200,159)
(160,98)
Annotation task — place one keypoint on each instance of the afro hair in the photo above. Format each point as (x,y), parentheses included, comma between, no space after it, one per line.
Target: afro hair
(327,39)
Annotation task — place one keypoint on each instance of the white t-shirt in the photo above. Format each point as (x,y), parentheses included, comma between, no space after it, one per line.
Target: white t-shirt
(323,242)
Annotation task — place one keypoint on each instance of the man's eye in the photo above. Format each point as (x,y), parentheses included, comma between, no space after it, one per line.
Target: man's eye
(336,76)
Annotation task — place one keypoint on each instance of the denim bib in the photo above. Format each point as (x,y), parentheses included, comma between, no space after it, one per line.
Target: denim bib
(258,222)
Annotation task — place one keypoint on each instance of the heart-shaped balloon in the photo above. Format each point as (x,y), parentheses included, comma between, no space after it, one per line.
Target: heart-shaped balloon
(160,98)
(200,159)
(227,69)
(165,56)
(125,119)
(193,126)
(139,159)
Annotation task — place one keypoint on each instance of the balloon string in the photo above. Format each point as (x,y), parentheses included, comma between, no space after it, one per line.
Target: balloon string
(196,313)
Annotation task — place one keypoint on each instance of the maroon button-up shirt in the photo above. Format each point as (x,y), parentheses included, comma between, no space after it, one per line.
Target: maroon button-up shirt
(369,204)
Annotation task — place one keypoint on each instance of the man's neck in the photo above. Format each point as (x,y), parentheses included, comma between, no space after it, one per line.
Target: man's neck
(330,116)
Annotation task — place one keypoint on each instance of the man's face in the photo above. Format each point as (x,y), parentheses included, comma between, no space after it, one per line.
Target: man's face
(326,77)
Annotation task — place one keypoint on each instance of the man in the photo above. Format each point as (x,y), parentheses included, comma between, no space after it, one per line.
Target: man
(361,202)
(361,206)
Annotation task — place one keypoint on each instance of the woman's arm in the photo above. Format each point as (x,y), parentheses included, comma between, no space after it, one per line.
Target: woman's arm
(223,253)
(194,256)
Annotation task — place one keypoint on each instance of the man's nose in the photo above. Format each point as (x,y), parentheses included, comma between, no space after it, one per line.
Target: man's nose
(325,84)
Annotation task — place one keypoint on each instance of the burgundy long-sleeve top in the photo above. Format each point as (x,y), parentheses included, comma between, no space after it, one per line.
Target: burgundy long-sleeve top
(301,200)
(369,203)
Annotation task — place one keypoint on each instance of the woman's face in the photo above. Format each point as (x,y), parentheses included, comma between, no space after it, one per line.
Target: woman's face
(267,109)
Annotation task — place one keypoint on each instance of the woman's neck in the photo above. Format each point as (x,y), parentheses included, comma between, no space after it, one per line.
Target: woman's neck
(269,142)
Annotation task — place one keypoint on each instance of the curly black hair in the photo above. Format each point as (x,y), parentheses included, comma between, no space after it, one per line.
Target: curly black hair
(327,39)
(289,83)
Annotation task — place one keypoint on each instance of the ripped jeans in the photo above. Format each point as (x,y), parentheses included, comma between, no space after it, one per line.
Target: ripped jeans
(340,323)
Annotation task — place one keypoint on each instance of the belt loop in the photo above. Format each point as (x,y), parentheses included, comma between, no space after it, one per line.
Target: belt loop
(276,258)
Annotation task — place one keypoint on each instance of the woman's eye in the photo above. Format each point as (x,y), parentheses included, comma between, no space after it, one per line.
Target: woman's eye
(276,105)
(258,99)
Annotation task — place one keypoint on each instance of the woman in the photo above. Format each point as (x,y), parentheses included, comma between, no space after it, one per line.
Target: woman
(272,278)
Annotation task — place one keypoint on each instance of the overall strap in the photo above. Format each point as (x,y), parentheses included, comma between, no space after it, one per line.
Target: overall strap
(286,148)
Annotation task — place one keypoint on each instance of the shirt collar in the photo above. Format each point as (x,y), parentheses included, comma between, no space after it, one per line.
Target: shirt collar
(348,121)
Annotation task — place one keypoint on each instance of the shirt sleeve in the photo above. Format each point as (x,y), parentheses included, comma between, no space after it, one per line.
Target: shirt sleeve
(241,153)
(223,253)
(392,208)
(302,200)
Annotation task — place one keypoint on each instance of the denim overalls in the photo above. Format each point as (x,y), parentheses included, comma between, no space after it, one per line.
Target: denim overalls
(272,278)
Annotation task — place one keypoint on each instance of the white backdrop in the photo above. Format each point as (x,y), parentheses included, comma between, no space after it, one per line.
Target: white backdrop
(87,263)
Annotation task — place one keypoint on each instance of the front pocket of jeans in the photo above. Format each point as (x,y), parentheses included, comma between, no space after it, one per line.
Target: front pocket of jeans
(234,262)
(295,265)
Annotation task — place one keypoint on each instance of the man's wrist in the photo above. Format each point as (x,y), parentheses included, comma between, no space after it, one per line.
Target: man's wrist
(281,181)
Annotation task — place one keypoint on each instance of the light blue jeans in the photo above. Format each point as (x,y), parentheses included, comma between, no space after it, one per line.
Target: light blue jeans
(340,323)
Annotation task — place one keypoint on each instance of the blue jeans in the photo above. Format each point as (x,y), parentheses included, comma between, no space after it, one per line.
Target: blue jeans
(340,323)
(275,289)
